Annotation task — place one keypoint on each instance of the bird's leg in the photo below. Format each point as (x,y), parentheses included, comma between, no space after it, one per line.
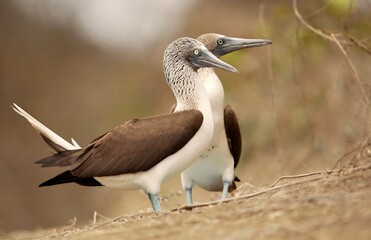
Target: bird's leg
(225,189)
(188,193)
(155,202)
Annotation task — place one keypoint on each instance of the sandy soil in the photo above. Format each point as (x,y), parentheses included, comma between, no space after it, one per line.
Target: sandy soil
(320,206)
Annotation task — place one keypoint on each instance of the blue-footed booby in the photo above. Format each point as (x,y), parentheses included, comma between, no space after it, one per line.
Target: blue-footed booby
(141,153)
(215,168)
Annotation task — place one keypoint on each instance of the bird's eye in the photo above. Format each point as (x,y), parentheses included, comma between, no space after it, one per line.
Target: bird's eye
(196,52)
(220,41)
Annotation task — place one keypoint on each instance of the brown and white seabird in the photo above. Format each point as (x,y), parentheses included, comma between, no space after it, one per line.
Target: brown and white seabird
(215,169)
(141,153)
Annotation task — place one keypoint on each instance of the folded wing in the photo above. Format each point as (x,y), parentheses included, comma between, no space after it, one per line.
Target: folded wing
(232,129)
(134,146)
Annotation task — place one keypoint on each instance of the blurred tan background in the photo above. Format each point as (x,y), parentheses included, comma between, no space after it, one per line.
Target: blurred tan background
(83,67)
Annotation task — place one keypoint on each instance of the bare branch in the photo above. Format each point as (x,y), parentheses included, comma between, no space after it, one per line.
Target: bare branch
(335,38)
(301,176)
(355,73)
(305,23)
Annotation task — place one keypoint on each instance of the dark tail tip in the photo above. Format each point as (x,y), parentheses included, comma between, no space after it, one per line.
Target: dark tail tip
(64,177)
(67,177)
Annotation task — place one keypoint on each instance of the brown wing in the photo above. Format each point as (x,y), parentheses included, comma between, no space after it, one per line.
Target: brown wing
(135,146)
(232,129)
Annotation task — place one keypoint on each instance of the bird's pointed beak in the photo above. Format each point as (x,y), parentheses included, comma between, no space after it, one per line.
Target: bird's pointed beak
(207,59)
(233,44)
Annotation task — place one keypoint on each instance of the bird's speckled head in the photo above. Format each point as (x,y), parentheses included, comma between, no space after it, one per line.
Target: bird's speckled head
(184,56)
(179,72)
(176,63)
(210,40)
(182,59)
(220,45)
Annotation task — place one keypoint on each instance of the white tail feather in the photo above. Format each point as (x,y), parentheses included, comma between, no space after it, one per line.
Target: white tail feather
(75,143)
(42,129)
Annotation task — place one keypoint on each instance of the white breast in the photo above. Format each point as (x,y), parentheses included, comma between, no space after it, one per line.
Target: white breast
(216,164)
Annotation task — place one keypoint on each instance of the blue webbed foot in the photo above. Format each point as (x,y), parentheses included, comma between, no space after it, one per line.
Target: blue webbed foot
(188,193)
(225,190)
(155,202)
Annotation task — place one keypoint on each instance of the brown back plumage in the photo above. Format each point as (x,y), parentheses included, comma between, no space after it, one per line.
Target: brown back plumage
(134,146)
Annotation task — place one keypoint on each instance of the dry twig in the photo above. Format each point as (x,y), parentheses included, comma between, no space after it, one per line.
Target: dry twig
(301,176)
(355,73)
(356,148)
(346,40)
(96,214)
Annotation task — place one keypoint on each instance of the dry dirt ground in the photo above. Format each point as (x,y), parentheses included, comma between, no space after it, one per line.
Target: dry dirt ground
(317,206)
